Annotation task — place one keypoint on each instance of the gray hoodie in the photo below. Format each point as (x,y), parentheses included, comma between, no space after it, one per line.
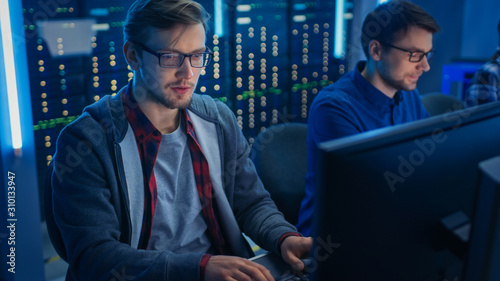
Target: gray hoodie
(97,171)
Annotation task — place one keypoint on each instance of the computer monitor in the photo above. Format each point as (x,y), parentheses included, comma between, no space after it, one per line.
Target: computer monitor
(483,259)
(385,197)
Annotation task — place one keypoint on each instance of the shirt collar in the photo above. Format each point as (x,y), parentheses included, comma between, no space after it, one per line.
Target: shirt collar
(142,127)
(189,124)
(374,95)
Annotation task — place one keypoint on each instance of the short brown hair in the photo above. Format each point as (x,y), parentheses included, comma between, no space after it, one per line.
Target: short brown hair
(161,14)
(392,19)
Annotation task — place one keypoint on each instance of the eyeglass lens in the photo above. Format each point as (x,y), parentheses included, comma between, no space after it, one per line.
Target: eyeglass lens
(418,56)
(174,60)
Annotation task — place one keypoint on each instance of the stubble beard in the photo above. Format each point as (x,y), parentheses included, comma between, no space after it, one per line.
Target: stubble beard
(399,84)
(168,101)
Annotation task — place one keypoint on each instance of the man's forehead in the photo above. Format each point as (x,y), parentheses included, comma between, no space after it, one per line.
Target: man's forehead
(414,37)
(169,38)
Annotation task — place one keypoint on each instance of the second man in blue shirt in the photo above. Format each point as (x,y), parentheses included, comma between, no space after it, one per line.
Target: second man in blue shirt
(380,92)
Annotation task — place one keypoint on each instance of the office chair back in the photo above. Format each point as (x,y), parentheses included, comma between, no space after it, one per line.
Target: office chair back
(439,103)
(280,157)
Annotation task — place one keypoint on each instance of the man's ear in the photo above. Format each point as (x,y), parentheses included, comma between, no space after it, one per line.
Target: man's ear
(131,55)
(375,50)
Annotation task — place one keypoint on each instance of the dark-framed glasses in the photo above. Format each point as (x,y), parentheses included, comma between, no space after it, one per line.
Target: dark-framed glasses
(416,56)
(174,60)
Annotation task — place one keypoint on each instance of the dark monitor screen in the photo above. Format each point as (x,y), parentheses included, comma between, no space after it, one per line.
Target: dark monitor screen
(383,195)
(483,259)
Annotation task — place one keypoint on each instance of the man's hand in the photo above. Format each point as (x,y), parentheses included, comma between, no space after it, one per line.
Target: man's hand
(221,268)
(293,248)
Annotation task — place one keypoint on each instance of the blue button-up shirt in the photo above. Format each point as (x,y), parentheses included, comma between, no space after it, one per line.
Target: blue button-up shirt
(350,106)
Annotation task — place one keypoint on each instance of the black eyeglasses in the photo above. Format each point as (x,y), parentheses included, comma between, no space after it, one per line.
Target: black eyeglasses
(416,56)
(174,60)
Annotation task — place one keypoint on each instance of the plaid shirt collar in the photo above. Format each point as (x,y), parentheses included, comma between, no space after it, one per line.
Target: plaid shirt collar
(148,139)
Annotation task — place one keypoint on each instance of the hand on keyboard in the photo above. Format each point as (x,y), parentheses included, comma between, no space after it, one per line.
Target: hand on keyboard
(293,248)
(221,268)
(299,275)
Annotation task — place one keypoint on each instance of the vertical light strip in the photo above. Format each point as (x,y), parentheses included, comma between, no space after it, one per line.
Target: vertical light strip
(339,44)
(10,75)
(219,29)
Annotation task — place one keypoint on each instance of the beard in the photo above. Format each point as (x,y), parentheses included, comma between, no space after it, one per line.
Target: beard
(400,84)
(170,101)
(396,82)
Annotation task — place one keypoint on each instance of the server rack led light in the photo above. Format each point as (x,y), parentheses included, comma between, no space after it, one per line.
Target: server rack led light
(10,76)
(218,13)
(339,48)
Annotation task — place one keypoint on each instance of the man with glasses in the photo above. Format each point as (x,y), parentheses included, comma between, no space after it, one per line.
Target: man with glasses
(155,183)
(381,91)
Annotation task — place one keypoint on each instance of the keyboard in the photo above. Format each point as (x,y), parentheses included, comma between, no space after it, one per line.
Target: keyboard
(293,277)
(280,270)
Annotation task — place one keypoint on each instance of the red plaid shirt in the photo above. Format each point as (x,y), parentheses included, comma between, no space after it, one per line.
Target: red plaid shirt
(148,139)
